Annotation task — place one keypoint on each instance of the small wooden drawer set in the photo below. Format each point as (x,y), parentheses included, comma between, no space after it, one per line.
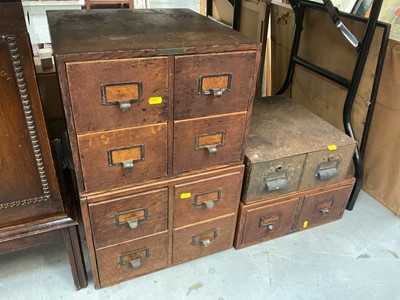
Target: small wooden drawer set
(158,106)
(296,175)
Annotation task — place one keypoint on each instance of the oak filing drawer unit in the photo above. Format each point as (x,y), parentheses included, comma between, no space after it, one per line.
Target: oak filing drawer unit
(289,149)
(158,104)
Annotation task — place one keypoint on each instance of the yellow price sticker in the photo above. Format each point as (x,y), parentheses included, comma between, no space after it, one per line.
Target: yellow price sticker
(305,224)
(155,100)
(332,147)
(186,195)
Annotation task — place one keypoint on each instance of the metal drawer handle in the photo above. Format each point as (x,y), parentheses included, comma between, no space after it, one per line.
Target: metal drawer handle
(131,217)
(205,243)
(125,106)
(270,222)
(324,211)
(134,258)
(276,180)
(212,150)
(208,199)
(127,165)
(327,169)
(126,156)
(216,84)
(218,92)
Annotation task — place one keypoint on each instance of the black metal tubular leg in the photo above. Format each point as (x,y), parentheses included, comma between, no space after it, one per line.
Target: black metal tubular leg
(236,15)
(374,92)
(299,15)
(362,58)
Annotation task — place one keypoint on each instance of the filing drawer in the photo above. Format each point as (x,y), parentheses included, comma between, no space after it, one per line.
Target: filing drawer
(207,198)
(326,167)
(204,142)
(147,255)
(126,218)
(123,156)
(119,93)
(267,222)
(265,180)
(202,239)
(213,84)
(324,207)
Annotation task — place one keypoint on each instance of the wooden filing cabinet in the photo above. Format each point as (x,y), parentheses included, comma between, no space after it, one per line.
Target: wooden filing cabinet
(158,104)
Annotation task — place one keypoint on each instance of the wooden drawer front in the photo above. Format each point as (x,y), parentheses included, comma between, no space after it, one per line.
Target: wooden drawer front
(132,258)
(269,222)
(205,142)
(120,93)
(323,207)
(205,199)
(128,218)
(202,239)
(326,167)
(269,179)
(213,84)
(123,156)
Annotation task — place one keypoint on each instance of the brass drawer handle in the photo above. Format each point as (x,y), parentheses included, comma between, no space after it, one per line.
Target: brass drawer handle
(216,84)
(122,94)
(210,141)
(208,199)
(134,258)
(131,217)
(205,238)
(126,157)
(327,169)
(270,222)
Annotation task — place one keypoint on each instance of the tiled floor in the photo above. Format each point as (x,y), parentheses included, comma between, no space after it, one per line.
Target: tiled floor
(354,258)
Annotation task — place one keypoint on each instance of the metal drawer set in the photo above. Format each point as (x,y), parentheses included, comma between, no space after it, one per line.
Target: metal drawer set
(158,107)
(296,175)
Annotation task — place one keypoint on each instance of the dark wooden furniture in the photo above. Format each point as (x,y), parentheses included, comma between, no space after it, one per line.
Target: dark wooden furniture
(158,105)
(33,210)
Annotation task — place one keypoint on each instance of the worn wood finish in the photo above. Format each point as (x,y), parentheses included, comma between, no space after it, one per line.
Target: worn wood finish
(190,198)
(195,83)
(269,222)
(285,136)
(111,271)
(109,219)
(95,148)
(324,207)
(189,155)
(142,80)
(178,31)
(187,240)
(296,206)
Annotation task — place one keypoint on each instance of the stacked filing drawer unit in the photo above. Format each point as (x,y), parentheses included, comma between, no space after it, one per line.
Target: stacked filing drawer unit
(296,175)
(158,106)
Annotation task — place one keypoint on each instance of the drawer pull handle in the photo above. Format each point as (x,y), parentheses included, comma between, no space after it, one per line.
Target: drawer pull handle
(128,165)
(126,156)
(270,222)
(208,199)
(134,258)
(205,238)
(210,141)
(327,169)
(131,217)
(205,243)
(216,84)
(276,180)
(133,223)
(324,211)
(125,106)
(136,263)
(212,150)
(218,92)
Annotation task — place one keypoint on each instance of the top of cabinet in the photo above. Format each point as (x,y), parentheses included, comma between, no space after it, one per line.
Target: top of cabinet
(141,32)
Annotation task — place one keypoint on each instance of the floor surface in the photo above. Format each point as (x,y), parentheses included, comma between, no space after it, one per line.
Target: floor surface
(354,258)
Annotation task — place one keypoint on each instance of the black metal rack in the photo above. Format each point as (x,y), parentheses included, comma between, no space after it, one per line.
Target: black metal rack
(362,47)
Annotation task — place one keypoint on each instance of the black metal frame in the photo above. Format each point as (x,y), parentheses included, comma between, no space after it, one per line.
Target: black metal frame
(236,12)
(352,84)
